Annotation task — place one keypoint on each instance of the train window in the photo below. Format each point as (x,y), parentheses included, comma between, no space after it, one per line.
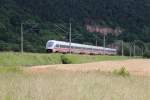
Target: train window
(89,48)
(57,46)
(76,47)
(64,46)
(67,46)
(96,50)
(61,46)
(50,44)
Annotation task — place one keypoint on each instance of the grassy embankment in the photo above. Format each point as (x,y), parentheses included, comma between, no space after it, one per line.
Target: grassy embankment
(57,85)
(31,59)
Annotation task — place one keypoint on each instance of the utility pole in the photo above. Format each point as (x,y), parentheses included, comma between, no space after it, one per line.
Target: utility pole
(96,42)
(70,33)
(122,48)
(142,52)
(22,38)
(134,49)
(130,50)
(70,23)
(104,41)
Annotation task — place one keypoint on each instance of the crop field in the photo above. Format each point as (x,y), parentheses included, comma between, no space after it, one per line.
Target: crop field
(102,80)
(62,85)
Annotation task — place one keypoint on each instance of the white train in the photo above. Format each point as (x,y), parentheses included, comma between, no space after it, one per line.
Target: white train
(54,46)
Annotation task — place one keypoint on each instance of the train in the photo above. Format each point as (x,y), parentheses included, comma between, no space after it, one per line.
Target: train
(54,46)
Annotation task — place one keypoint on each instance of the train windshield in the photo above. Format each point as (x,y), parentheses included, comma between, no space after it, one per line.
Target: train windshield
(50,44)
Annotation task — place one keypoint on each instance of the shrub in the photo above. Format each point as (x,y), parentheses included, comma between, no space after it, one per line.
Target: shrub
(65,60)
(146,54)
(121,72)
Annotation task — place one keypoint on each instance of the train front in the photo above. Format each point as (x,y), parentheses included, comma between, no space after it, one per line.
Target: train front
(50,46)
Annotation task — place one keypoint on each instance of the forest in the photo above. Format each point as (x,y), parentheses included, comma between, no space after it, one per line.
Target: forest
(44,20)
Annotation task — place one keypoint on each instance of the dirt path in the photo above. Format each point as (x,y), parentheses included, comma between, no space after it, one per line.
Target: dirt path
(135,66)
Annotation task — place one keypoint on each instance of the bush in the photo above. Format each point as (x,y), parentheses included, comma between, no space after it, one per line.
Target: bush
(146,54)
(65,60)
(121,72)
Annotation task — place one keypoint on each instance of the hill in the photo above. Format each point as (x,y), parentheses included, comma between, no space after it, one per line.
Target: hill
(40,17)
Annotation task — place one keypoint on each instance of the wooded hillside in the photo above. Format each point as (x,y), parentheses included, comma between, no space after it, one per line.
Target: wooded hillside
(42,16)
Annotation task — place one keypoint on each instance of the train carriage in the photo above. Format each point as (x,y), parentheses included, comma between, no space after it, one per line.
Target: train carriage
(54,46)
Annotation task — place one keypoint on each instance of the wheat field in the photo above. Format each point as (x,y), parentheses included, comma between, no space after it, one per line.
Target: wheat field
(58,85)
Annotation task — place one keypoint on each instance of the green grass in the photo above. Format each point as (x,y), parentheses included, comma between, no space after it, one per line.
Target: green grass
(30,59)
(11,69)
(73,86)
(92,58)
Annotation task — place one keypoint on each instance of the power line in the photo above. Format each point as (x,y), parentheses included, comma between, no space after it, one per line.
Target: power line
(60,28)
